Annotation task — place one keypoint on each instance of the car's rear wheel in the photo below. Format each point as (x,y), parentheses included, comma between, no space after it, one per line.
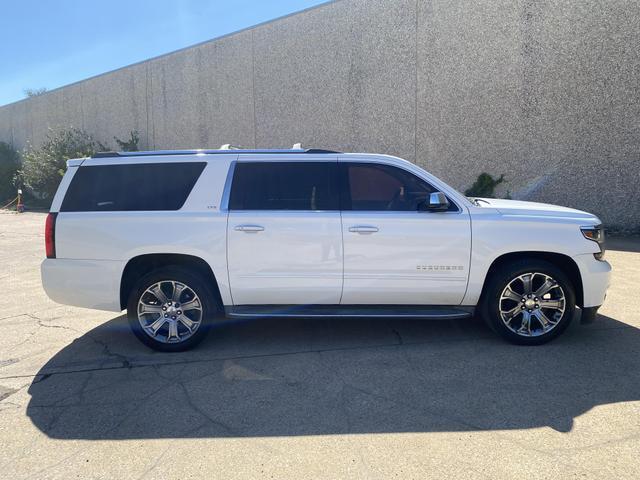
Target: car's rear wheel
(528,302)
(170,309)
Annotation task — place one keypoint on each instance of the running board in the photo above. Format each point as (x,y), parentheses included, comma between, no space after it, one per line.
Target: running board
(349,311)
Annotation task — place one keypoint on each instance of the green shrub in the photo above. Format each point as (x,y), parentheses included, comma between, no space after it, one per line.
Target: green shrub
(484,186)
(9,164)
(43,167)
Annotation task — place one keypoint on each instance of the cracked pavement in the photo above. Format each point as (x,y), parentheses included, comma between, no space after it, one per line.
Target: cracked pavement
(285,398)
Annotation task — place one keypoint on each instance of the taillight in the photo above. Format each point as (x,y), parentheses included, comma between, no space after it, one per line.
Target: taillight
(50,235)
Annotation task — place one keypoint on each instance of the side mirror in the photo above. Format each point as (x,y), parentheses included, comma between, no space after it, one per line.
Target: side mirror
(437,202)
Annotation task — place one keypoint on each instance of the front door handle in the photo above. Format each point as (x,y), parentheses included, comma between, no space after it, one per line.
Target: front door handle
(249,228)
(365,229)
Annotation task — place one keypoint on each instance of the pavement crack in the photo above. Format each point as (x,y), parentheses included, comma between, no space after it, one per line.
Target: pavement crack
(43,324)
(126,363)
(106,350)
(42,378)
(4,405)
(10,361)
(199,410)
(155,463)
(7,392)
(398,336)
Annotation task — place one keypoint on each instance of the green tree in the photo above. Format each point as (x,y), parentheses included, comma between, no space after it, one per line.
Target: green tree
(484,186)
(34,92)
(130,145)
(43,167)
(9,164)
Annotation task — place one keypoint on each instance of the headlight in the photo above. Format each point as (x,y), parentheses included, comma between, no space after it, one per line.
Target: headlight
(596,234)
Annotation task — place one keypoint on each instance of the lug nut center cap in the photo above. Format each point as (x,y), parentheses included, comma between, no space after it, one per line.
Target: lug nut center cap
(529,303)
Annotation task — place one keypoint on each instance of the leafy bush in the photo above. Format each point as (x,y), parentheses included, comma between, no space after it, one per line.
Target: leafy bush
(484,186)
(9,164)
(130,145)
(43,167)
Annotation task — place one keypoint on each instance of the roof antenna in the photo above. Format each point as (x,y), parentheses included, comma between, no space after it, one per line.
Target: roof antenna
(297,146)
(228,146)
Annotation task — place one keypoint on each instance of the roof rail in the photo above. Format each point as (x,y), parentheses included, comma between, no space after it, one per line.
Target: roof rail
(105,154)
(221,151)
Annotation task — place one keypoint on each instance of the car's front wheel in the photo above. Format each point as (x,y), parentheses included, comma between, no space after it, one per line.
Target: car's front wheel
(170,309)
(528,302)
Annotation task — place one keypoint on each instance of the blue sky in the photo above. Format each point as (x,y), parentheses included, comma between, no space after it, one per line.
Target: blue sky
(54,43)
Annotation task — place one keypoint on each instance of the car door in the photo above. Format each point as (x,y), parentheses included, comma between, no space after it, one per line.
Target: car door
(394,253)
(284,233)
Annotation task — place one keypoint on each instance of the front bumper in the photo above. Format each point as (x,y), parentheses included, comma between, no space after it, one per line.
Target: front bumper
(83,283)
(596,277)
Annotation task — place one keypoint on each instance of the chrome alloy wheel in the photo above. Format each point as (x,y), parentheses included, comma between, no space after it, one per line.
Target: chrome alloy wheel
(169,311)
(532,304)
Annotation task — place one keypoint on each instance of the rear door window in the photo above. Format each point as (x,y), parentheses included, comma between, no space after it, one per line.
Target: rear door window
(131,187)
(284,186)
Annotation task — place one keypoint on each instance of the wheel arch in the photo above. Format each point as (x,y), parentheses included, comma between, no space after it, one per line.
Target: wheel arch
(138,266)
(564,262)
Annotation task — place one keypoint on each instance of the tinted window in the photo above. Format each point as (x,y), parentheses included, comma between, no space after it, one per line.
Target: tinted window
(142,186)
(376,187)
(284,186)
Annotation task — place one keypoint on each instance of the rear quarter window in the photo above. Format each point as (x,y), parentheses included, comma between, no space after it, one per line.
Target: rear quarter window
(131,187)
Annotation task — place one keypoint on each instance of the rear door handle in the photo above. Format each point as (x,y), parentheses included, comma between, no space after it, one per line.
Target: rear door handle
(363,229)
(249,228)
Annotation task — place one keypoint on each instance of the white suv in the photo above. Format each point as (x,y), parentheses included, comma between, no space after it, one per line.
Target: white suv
(183,238)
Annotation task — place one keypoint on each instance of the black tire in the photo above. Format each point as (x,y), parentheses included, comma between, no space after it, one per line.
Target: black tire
(501,277)
(207,303)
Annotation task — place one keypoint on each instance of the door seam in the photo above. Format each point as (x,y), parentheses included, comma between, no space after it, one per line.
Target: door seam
(227,257)
(343,257)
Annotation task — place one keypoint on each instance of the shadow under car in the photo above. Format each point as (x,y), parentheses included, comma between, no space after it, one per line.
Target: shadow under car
(276,377)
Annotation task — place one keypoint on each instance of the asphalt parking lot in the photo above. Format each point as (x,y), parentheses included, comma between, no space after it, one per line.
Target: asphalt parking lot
(80,397)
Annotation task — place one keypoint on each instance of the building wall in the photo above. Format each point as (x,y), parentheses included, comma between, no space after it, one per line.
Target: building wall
(546,92)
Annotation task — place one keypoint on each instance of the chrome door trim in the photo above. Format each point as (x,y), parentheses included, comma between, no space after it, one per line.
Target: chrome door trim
(249,228)
(364,229)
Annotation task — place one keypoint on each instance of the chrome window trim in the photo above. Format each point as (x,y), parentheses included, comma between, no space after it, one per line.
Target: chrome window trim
(403,212)
(256,212)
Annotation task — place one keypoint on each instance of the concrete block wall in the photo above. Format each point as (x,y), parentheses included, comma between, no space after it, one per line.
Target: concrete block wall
(546,92)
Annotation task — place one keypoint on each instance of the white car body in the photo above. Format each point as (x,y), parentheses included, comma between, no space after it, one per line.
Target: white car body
(320,258)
